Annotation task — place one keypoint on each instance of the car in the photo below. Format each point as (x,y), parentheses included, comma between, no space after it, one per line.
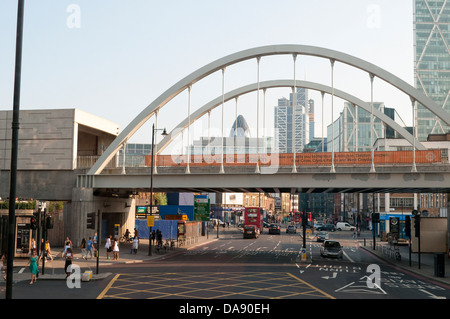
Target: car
(331,248)
(251,231)
(318,224)
(322,236)
(344,226)
(327,227)
(291,229)
(274,229)
(266,224)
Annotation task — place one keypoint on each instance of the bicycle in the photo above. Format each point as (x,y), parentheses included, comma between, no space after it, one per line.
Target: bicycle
(123,239)
(159,247)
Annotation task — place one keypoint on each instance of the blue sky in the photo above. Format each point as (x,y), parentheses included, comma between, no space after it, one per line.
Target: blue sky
(123,54)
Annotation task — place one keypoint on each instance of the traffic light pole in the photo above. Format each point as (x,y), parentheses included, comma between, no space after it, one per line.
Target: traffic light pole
(44,237)
(98,240)
(14,152)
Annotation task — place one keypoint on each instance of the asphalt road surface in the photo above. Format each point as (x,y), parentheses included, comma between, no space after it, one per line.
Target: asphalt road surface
(269,267)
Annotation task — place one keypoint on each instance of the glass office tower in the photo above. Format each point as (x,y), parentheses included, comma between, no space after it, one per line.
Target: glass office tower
(283,122)
(432,61)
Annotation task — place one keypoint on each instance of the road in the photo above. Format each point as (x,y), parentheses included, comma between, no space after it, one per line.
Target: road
(271,267)
(233,268)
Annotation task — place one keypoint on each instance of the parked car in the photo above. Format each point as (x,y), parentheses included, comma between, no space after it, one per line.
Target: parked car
(251,231)
(331,248)
(274,229)
(344,226)
(322,236)
(291,229)
(327,227)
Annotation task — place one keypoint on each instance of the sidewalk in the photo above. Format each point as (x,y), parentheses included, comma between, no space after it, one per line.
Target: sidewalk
(54,270)
(427,260)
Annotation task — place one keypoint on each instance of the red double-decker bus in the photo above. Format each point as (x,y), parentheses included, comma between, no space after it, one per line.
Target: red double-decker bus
(299,215)
(254,216)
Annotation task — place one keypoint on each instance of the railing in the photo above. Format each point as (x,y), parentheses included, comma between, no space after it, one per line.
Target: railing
(306,159)
(89,161)
(432,156)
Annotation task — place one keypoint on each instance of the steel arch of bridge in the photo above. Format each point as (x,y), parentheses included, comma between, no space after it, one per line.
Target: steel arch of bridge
(277,84)
(220,64)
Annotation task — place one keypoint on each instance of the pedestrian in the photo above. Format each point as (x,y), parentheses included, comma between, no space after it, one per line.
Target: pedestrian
(108,246)
(90,248)
(159,237)
(135,244)
(127,235)
(33,263)
(69,256)
(94,241)
(153,237)
(32,247)
(47,248)
(67,244)
(116,249)
(3,265)
(83,248)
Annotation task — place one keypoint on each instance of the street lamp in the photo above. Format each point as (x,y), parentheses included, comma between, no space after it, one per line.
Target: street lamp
(164,133)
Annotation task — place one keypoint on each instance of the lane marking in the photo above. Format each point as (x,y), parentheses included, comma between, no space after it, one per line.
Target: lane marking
(313,287)
(103,293)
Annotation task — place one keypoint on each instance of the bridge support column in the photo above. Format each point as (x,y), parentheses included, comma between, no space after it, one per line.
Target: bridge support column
(113,210)
(75,219)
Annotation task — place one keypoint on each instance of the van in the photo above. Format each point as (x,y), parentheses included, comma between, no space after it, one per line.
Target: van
(344,226)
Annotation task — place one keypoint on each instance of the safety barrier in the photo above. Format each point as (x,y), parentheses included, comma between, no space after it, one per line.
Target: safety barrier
(306,159)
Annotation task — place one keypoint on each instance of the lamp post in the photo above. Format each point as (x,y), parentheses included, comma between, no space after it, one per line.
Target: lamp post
(164,133)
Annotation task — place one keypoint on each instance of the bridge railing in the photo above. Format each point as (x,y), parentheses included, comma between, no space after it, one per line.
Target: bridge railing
(434,156)
(88,161)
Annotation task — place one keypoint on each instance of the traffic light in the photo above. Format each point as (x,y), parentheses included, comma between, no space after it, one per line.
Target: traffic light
(408,226)
(34,220)
(375,218)
(304,220)
(49,223)
(90,221)
(417,225)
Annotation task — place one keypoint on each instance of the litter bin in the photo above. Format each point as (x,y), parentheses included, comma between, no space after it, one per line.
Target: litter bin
(439,265)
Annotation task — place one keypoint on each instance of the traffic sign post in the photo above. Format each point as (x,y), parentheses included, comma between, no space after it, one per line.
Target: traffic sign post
(303,254)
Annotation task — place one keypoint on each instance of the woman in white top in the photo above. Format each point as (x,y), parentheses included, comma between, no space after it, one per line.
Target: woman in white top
(116,249)
(135,244)
(69,256)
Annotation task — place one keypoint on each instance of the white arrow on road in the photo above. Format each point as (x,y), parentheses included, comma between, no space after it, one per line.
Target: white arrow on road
(431,295)
(328,277)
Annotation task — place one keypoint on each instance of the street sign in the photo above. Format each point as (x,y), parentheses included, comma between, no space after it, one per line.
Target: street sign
(150,221)
(202,208)
(141,212)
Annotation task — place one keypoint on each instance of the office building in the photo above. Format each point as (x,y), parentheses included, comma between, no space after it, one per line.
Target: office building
(289,137)
(432,62)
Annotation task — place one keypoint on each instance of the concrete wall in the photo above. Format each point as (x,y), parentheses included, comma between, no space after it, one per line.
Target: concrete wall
(50,139)
(45,139)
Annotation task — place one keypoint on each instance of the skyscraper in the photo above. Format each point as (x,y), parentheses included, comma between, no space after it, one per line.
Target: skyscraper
(284,118)
(432,61)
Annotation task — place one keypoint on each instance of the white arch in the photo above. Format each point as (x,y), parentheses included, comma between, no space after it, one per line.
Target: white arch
(283,83)
(219,64)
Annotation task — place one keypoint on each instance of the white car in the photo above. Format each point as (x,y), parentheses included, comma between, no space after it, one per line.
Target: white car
(344,226)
